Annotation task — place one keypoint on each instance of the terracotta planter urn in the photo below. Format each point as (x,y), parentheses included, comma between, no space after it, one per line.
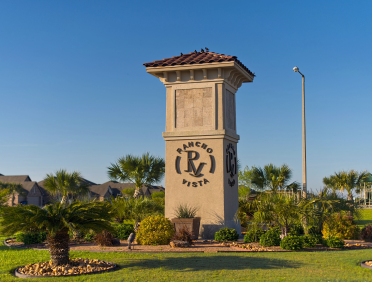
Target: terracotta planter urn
(192,224)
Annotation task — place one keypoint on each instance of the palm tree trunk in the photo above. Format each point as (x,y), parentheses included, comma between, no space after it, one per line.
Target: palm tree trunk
(350,197)
(138,193)
(58,248)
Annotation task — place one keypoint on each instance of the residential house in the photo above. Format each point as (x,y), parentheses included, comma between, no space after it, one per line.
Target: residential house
(32,194)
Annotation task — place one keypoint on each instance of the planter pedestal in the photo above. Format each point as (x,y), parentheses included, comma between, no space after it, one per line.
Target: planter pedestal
(192,224)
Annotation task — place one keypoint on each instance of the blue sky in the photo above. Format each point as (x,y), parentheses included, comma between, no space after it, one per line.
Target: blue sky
(74,93)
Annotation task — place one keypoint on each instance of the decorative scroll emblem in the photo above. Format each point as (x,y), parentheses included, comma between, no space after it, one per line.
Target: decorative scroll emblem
(190,156)
(231,164)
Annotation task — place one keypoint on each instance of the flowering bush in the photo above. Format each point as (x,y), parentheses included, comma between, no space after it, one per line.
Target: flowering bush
(292,242)
(341,226)
(155,230)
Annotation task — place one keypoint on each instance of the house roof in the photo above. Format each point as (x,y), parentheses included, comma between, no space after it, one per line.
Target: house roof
(202,57)
(14,178)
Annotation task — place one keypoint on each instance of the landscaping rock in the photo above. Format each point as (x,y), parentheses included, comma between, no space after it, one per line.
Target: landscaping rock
(179,244)
(75,267)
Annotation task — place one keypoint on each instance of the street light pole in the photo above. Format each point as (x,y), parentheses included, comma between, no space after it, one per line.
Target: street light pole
(304,174)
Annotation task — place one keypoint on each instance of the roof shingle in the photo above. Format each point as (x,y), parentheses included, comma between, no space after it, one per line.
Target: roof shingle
(195,57)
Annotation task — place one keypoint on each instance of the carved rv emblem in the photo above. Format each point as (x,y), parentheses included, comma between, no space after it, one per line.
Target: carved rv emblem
(190,155)
(231,163)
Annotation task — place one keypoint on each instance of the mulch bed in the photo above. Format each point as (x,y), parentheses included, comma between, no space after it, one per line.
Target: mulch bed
(204,246)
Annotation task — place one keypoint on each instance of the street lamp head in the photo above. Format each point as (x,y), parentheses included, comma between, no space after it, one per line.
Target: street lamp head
(296,69)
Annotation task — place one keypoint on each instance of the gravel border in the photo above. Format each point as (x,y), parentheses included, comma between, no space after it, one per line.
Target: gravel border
(363,264)
(21,275)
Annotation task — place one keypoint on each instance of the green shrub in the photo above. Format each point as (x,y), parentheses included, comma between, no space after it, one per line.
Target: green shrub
(310,240)
(271,238)
(341,226)
(31,238)
(122,231)
(155,230)
(292,242)
(226,234)
(89,237)
(253,235)
(158,195)
(297,229)
(335,242)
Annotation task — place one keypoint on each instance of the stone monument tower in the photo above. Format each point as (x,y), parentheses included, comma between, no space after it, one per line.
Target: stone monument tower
(200,135)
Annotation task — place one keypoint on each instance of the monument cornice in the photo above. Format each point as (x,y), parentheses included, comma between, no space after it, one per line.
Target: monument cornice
(201,134)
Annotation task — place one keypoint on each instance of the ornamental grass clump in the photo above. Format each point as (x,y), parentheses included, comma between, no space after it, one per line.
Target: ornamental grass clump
(292,242)
(155,230)
(226,234)
(185,211)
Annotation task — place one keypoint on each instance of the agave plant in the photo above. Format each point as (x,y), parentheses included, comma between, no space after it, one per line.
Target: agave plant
(57,220)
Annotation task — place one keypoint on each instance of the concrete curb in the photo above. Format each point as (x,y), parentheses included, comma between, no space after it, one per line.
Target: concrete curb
(363,264)
(20,275)
(20,247)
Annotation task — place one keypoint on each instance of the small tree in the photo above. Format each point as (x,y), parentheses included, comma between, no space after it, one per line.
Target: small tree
(281,210)
(57,220)
(145,169)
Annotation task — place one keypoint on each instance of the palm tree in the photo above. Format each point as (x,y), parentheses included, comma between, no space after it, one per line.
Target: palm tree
(66,185)
(348,181)
(141,170)
(330,183)
(13,188)
(136,209)
(273,178)
(57,220)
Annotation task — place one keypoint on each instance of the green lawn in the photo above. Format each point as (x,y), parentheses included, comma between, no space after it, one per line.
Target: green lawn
(365,218)
(296,266)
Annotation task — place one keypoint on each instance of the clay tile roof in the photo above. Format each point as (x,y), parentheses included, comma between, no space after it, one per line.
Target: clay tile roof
(195,57)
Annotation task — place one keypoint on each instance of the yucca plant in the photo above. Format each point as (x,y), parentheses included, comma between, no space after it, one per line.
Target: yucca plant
(57,220)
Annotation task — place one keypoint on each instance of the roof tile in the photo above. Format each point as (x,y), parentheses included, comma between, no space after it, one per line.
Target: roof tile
(197,58)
